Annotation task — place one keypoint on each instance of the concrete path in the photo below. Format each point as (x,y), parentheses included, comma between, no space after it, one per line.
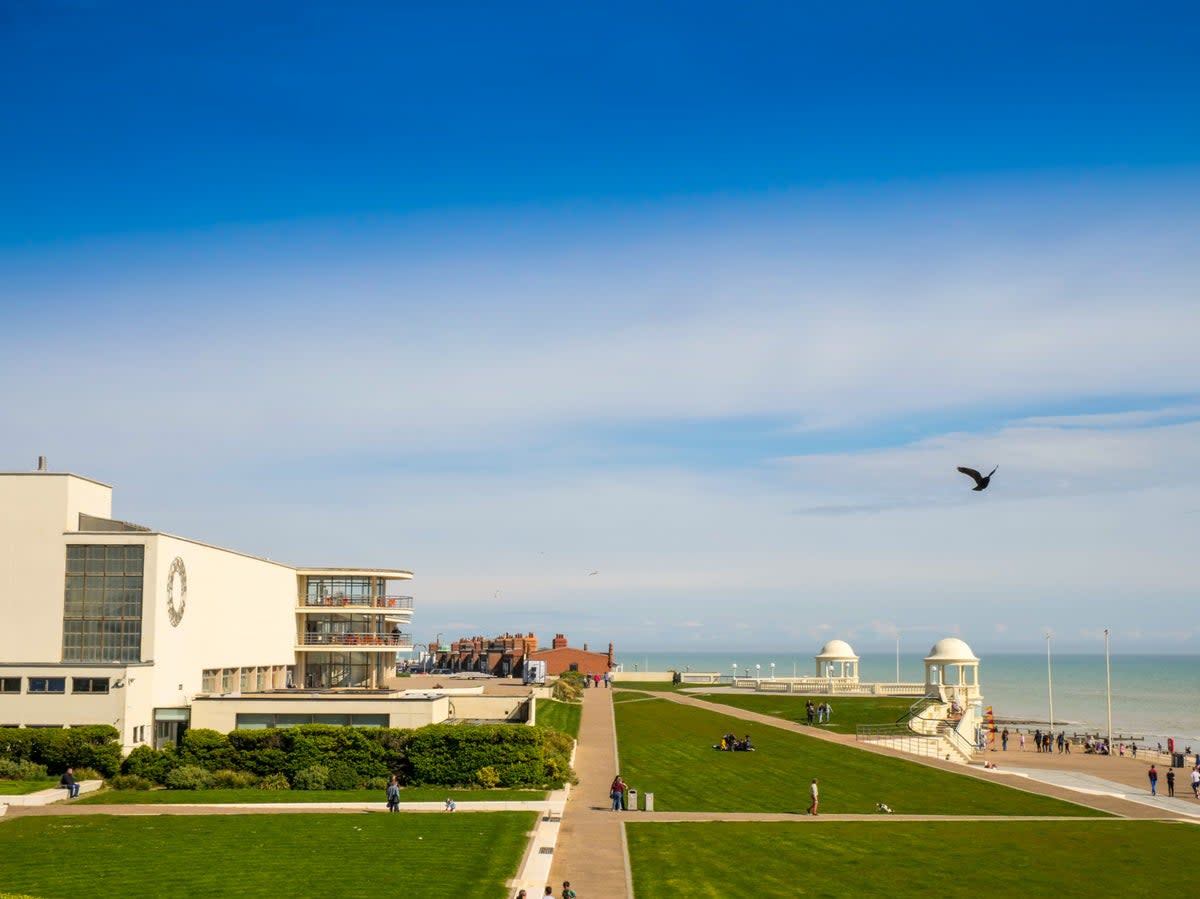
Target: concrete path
(591,842)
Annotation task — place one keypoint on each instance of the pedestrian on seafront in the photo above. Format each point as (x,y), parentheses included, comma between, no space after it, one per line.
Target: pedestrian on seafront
(1196,782)
(1170,782)
(813,792)
(1022,741)
(567,892)
(1153,775)
(1004,740)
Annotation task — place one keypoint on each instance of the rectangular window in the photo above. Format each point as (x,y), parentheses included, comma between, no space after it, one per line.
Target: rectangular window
(10,685)
(47,685)
(102,604)
(89,685)
(208,680)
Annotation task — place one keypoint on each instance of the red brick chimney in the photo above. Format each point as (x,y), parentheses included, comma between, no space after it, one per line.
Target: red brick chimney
(560,642)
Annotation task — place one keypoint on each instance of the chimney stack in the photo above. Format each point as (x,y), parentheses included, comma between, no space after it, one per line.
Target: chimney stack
(41,463)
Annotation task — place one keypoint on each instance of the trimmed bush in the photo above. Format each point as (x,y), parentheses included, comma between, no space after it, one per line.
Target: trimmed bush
(376,783)
(274,782)
(21,769)
(189,777)
(453,754)
(129,782)
(87,746)
(233,780)
(207,749)
(567,688)
(152,764)
(487,777)
(314,777)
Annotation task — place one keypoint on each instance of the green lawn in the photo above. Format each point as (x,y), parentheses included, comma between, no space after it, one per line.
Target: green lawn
(266,797)
(361,856)
(21,787)
(656,686)
(917,859)
(848,711)
(562,716)
(666,748)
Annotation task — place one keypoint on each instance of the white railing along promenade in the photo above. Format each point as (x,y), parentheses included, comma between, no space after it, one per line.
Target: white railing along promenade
(824,686)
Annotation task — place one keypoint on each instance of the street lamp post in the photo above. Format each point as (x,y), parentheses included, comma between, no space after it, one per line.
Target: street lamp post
(757,672)
(1049,681)
(897,657)
(733,673)
(1108,689)
(772,671)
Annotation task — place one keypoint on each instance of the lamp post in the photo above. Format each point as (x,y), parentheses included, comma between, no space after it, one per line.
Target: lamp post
(1049,681)
(733,672)
(1108,689)
(897,657)
(757,672)
(772,671)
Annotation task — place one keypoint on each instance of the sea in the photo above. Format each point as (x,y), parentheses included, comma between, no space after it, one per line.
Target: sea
(1153,696)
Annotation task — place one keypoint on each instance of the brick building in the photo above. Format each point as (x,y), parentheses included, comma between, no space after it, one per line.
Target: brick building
(505,655)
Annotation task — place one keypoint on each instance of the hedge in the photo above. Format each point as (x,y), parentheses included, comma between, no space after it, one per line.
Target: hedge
(91,746)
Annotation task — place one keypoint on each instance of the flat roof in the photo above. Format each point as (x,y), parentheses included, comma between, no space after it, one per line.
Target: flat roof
(398,574)
(52,474)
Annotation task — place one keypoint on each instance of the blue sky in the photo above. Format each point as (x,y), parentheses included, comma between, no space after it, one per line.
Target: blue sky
(712,300)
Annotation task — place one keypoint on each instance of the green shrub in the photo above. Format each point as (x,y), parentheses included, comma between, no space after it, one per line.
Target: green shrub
(376,783)
(325,745)
(189,777)
(452,754)
(88,774)
(87,746)
(233,780)
(207,749)
(21,769)
(129,782)
(274,782)
(568,689)
(487,777)
(152,764)
(343,777)
(314,777)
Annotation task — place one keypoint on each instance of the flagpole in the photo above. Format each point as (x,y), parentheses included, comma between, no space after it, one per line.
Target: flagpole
(1108,689)
(1050,681)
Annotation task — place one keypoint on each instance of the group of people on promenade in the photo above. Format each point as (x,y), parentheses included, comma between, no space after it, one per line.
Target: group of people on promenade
(567,892)
(1152,775)
(819,713)
(595,680)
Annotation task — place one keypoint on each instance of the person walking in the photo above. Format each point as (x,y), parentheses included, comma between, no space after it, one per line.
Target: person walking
(1004,740)
(567,892)
(1196,782)
(1170,782)
(815,794)
(1022,741)
(1153,775)
(393,794)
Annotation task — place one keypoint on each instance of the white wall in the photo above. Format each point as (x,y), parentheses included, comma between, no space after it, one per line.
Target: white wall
(35,509)
(220,714)
(240,612)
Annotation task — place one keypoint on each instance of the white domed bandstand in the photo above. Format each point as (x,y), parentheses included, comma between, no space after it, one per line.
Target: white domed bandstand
(952,672)
(837,660)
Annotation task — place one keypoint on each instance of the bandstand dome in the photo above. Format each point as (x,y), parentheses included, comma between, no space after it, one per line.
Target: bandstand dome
(951,649)
(837,649)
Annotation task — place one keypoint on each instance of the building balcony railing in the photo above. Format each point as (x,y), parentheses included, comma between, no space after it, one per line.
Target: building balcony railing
(369,641)
(359,602)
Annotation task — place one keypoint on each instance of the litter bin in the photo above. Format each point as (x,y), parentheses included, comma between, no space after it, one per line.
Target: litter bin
(631,800)
(1176,759)
(649,802)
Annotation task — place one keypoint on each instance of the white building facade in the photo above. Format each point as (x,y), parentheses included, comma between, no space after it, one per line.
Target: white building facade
(106,622)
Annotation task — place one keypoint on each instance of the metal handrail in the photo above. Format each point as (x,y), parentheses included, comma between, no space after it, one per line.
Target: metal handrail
(370,602)
(357,639)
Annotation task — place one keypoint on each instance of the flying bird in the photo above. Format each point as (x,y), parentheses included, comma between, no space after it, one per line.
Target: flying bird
(981,481)
(592,573)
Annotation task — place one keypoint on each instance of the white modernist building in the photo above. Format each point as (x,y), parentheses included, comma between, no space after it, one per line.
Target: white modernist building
(107,622)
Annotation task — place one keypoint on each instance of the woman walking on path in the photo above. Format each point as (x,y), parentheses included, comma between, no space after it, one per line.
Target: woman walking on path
(812,791)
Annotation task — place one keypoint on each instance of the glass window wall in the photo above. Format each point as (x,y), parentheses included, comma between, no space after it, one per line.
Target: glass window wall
(102,605)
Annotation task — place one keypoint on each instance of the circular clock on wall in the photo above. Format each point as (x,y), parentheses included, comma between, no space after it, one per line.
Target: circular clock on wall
(175,609)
